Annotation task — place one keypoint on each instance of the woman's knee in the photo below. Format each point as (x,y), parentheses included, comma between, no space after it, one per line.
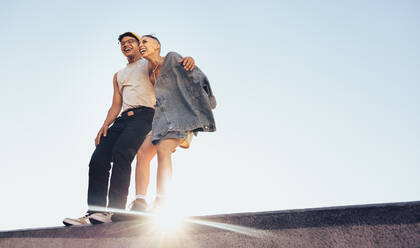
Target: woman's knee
(167,147)
(165,150)
(146,152)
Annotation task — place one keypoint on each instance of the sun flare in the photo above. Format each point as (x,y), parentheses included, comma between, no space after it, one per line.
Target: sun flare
(169,218)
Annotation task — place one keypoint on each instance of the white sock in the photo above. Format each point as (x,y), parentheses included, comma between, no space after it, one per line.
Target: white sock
(141,197)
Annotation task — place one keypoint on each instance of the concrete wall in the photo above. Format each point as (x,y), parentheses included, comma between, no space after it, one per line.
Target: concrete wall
(385,225)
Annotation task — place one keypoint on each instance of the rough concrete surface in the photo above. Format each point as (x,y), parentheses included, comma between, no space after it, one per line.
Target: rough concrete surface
(391,225)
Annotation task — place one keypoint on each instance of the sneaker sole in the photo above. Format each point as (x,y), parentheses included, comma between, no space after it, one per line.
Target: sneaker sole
(95,222)
(73,223)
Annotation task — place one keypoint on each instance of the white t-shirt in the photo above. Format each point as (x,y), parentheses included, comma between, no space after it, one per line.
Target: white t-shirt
(135,87)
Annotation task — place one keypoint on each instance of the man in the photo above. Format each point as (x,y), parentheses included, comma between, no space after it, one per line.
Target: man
(119,143)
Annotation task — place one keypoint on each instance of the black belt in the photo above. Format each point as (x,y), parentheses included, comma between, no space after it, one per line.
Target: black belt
(133,111)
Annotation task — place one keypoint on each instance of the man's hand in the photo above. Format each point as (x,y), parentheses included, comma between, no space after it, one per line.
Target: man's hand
(188,63)
(104,131)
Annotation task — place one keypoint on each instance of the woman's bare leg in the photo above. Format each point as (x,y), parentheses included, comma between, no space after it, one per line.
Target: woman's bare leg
(145,154)
(165,148)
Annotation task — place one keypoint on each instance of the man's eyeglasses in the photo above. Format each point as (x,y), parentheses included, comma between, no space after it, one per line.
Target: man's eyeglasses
(129,42)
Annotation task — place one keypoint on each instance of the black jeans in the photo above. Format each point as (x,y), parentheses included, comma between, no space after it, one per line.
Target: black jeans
(123,139)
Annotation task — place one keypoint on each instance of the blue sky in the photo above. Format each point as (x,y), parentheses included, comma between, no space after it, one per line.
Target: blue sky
(318,102)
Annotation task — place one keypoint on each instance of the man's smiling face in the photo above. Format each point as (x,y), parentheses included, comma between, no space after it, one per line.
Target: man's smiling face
(129,46)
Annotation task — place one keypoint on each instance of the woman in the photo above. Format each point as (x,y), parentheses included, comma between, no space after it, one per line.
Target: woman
(184,101)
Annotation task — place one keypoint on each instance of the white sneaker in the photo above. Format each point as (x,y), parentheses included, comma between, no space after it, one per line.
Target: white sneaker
(99,218)
(77,222)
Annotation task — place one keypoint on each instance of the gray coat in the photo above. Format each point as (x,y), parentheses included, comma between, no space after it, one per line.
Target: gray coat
(184,99)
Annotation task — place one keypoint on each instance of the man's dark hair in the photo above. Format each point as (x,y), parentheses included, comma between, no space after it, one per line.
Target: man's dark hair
(130,34)
(152,36)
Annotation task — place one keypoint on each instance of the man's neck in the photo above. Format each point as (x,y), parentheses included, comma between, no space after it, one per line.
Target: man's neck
(133,58)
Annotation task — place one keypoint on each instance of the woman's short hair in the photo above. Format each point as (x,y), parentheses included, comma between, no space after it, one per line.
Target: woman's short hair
(152,36)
